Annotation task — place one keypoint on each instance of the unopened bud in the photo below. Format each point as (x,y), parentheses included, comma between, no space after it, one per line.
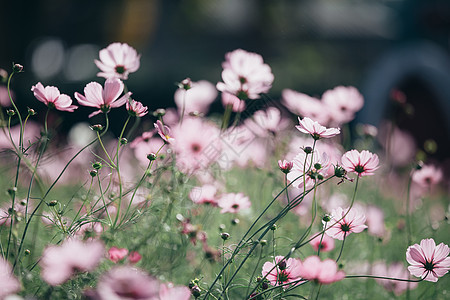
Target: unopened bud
(235,221)
(27,252)
(97,165)
(151,156)
(160,112)
(225,236)
(185,84)
(339,171)
(12,191)
(10,112)
(317,166)
(196,291)
(308,150)
(273,227)
(282,265)
(31,112)
(123,141)
(97,127)
(93,173)
(53,203)
(222,227)
(263,242)
(326,218)
(17,68)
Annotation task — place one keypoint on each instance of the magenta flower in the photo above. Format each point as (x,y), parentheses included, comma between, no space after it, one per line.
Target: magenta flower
(8,283)
(245,75)
(127,283)
(134,257)
(60,263)
(282,270)
(117,254)
(103,98)
(316,130)
(394,270)
(233,203)
(285,166)
(326,245)
(117,61)
(164,132)
(427,260)
(136,108)
(343,223)
(51,97)
(324,272)
(343,102)
(362,164)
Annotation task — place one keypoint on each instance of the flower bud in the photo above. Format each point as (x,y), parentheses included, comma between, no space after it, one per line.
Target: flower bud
(151,156)
(27,252)
(31,112)
(282,265)
(308,150)
(317,166)
(326,218)
(263,243)
(196,291)
(339,171)
(93,173)
(10,112)
(235,221)
(225,236)
(53,203)
(97,165)
(185,84)
(97,127)
(12,191)
(17,68)
(123,141)
(160,112)
(222,227)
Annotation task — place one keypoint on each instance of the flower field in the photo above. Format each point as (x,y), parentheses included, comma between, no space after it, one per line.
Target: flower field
(273,197)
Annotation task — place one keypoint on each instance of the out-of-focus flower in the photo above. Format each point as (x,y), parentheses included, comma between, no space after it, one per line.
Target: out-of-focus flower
(134,257)
(343,222)
(245,75)
(324,272)
(8,283)
(171,292)
(400,145)
(362,164)
(237,105)
(205,194)
(103,98)
(136,108)
(343,102)
(196,99)
(282,270)
(375,221)
(197,144)
(324,242)
(427,177)
(316,130)
(117,61)
(394,270)
(127,283)
(60,263)
(285,166)
(164,132)
(4,96)
(51,97)
(266,122)
(306,106)
(427,260)
(233,202)
(117,254)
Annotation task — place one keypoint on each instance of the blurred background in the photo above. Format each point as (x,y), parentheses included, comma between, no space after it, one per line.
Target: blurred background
(311,46)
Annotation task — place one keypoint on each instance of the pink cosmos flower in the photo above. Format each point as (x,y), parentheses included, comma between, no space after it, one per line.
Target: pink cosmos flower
(51,97)
(343,223)
(320,169)
(117,254)
(143,148)
(285,166)
(325,272)
(60,263)
(237,105)
(394,270)
(305,106)
(316,130)
(171,292)
(375,221)
(362,164)
(427,177)
(197,98)
(326,245)
(164,132)
(127,283)
(197,144)
(103,98)
(8,283)
(118,61)
(427,260)
(134,257)
(4,97)
(205,194)
(233,202)
(245,75)
(136,108)
(282,270)
(343,102)
(266,122)
(400,144)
